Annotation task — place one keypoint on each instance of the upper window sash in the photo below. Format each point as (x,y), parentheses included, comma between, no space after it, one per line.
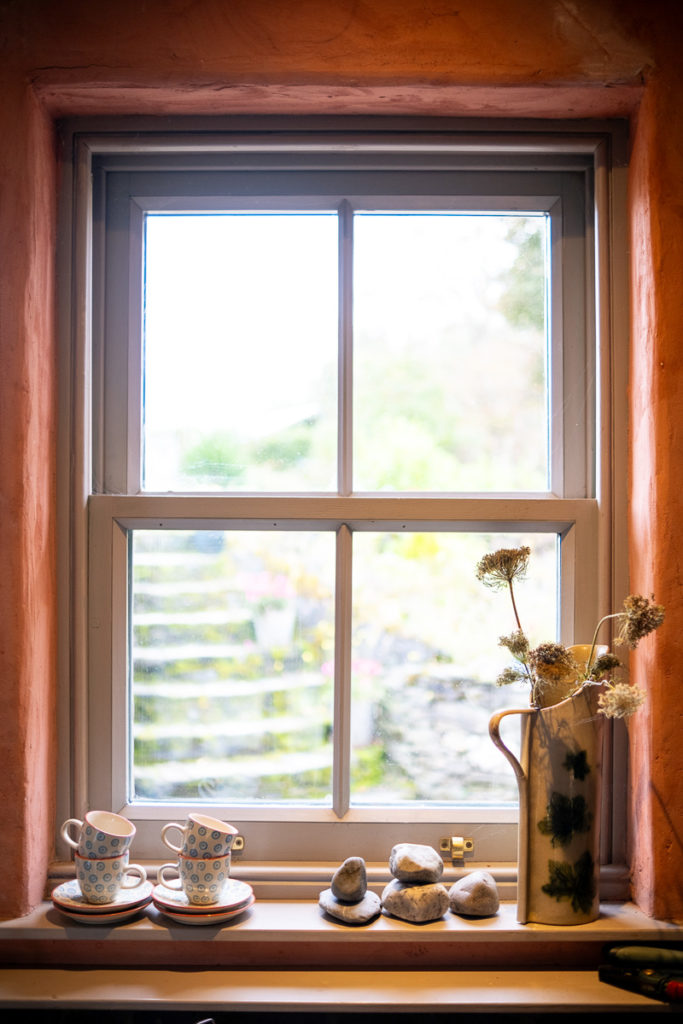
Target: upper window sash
(127,197)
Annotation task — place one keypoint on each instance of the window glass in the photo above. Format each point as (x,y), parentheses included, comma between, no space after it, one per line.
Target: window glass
(240,352)
(233,665)
(450,354)
(230,682)
(425,662)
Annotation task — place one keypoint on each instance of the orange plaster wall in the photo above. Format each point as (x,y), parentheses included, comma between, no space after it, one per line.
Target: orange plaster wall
(519,58)
(656,497)
(27,493)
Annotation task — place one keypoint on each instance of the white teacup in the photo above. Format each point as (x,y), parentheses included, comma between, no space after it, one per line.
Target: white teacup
(201,836)
(101,834)
(101,880)
(201,880)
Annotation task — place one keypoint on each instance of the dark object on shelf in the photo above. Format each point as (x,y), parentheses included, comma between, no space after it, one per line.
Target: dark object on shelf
(666,987)
(662,958)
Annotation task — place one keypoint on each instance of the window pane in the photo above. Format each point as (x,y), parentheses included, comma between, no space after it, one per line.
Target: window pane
(450,389)
(240,352)
(231,690)
(425,659)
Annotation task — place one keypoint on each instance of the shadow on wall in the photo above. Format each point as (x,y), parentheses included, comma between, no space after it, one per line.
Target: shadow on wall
(676,840)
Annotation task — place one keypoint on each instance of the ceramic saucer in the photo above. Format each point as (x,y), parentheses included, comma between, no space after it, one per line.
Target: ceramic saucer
(207,911)
(112,917)
(235,894)
(218,917)
(68,897)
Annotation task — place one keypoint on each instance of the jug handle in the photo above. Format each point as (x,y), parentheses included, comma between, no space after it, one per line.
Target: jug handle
(523,786)
(494,733)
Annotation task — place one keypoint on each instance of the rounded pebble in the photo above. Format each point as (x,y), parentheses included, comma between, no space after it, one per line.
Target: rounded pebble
(349,882)
(351,913)
(475,895)
(412,862)
(415,902)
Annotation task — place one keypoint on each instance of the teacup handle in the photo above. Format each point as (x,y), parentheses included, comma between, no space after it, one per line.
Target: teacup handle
(170,883)
(136,873)
(65,831)
(164,830)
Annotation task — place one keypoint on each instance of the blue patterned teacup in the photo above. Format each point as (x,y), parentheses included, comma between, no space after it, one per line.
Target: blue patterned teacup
(201,879)
(101,879)
(102,834)
(201,836)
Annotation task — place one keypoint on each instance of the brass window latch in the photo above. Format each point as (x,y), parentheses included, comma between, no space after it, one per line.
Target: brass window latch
(457,847)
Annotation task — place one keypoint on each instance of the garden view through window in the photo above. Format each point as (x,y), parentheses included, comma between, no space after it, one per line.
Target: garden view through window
(233,666)
(235,651)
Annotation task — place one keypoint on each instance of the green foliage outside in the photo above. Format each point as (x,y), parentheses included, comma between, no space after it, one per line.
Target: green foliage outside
(450,412)
(523,301)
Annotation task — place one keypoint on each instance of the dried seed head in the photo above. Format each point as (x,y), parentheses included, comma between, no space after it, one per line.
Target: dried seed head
(604,664)
(620,700)
(499,568)
(516,643)
(550,662)
(639,617)
(510,675)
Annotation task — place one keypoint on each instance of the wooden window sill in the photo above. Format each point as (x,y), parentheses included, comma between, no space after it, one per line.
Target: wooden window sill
(296,934)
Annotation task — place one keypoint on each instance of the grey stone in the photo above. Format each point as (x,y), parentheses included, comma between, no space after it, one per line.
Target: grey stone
(415,902)
(349,882)
(351,913)
(475,895)
(412,862)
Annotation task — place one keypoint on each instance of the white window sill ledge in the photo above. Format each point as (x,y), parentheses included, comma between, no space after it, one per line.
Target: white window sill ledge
(298,921)
(297,933)
(287,955)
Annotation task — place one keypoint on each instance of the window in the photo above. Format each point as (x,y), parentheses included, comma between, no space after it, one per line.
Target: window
(326,372)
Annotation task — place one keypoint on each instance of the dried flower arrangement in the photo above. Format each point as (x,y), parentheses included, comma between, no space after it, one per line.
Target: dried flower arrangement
(550,662)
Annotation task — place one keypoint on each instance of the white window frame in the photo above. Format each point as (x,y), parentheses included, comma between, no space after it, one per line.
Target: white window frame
(588,510)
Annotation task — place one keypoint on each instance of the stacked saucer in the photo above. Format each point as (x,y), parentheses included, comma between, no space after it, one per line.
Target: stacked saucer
(69,900)
(237,897)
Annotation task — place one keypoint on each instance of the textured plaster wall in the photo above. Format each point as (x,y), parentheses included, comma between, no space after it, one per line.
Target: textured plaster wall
(656,498)
(27,493)
(517,58)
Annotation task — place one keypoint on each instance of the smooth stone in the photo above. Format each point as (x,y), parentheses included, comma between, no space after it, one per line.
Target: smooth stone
(351,913)
(475,895)
(414,901)
(349,882)
(412,862)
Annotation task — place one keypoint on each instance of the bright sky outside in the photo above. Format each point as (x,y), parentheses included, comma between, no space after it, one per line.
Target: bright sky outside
(241,307)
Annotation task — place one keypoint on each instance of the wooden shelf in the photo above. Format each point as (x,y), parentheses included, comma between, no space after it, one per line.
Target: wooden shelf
(211,991)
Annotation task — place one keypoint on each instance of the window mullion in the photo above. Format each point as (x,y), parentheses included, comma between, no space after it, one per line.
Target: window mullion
(345,371)
(342,674)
